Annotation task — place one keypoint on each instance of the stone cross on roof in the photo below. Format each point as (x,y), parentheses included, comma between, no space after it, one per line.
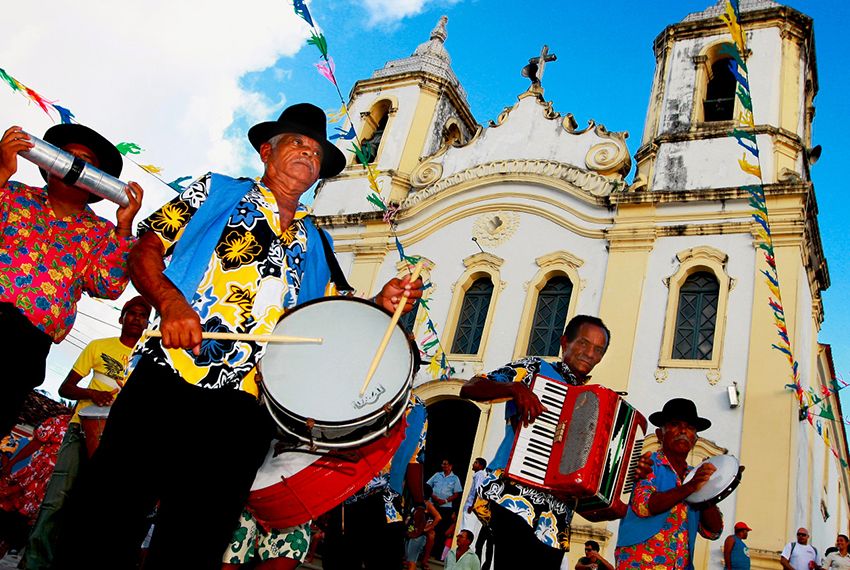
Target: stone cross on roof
(536,65)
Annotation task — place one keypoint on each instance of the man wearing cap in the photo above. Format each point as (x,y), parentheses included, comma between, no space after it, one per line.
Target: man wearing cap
(53,248)
(242,253)
(106,360)
(660,528)
(736,555)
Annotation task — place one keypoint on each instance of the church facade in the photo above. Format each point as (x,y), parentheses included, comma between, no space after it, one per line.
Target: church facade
(529,220)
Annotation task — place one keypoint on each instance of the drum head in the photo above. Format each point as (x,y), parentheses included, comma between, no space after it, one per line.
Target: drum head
(721,479)
(322,381)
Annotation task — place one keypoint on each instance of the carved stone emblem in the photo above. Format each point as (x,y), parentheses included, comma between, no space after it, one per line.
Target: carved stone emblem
(495,228)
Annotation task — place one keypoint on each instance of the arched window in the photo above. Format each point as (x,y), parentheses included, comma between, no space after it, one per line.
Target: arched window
(473,316)
(550,316)
(719,103)
(375,123)
(696,317)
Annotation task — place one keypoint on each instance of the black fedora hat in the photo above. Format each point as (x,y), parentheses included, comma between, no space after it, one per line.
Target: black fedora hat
(303,119)
(108,156)
(680,409)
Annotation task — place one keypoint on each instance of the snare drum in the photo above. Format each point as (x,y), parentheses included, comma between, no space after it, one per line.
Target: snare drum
(723,481)
(93,420)
(313,390)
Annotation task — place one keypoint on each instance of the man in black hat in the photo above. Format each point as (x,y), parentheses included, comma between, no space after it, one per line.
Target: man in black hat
(52,249)
(659,525)
(242,253)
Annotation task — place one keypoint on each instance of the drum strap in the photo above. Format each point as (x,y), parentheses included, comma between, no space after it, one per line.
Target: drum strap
(337,276)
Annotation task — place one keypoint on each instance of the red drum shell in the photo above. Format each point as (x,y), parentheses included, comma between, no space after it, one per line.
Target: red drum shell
(324,484)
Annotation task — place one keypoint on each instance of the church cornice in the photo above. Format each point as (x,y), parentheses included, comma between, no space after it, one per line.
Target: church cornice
(594,187)
(716,130)
(423,80)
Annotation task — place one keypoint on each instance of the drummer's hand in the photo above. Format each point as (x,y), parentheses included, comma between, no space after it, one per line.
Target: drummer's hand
(702,476)
(13,141)
(527,403)
(644,466)
(125,214)
(102,397)
(393,293)
(180,325)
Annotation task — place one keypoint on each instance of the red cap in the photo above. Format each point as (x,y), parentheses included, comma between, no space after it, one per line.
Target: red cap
(741,526)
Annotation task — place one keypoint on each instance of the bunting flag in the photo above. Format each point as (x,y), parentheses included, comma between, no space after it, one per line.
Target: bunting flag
(177,185)
(126,148)
(326,69)
(744,134)
(66,116)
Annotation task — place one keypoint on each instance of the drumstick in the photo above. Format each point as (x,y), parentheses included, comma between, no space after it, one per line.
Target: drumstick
(386,340)
(250,337)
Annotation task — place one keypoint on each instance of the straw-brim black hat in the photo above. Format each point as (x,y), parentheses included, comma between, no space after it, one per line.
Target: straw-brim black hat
(680,409)
(107,155)
(303,119)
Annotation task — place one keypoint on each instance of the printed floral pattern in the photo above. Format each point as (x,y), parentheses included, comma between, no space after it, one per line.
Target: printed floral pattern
(248,285)
(668,549)
(46,264)
(250,541)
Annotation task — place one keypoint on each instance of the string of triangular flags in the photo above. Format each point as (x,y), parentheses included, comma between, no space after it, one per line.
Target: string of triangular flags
(66,116)
(744,133)
(438,364)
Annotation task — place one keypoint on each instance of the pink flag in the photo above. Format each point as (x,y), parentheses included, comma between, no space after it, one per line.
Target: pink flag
(326,69)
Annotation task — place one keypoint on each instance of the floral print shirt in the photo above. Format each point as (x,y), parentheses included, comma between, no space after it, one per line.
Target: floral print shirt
(549,516)
(668,549)
(25,490)
(253,276)
(46,263)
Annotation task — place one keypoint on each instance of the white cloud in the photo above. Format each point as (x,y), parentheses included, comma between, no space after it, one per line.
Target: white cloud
(163,74)
(387,11)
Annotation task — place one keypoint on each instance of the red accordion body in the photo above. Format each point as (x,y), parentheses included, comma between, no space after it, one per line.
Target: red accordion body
(585,446)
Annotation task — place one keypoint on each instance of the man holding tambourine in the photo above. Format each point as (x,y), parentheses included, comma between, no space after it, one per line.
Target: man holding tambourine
(660,527)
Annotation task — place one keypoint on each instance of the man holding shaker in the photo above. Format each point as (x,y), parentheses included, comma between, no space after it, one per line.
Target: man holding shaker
(53,248)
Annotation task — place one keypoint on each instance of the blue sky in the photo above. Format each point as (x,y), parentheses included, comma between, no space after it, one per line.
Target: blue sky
(604,72)
(185,81)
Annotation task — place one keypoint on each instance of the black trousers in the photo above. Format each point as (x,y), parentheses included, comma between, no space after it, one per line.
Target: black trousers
(23,350)
(358,536)
(194,450)
(516,545)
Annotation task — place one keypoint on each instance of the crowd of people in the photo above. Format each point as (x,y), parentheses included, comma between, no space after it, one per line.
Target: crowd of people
(232,256)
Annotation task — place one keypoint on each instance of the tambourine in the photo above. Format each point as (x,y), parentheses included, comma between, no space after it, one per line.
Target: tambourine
(720,485)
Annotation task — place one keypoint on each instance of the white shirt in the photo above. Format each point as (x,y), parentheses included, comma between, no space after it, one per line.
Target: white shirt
(803,554)
(835,560)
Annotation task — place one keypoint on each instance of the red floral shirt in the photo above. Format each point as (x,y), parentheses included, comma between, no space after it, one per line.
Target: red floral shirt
(46,263)
(668,549)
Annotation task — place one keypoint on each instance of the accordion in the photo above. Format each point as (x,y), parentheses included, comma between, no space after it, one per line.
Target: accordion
(584,447)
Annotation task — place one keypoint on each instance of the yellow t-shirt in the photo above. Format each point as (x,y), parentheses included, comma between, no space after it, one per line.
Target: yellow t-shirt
(106,359)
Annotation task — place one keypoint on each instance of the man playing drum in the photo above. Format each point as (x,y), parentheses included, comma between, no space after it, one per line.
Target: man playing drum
(106,359)
(530,528)
(660,528)
(187,429)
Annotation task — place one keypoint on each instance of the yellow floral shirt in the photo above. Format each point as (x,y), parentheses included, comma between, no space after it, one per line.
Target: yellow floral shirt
(253,276)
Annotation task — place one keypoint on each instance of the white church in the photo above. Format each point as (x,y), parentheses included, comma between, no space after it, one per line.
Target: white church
(529,220)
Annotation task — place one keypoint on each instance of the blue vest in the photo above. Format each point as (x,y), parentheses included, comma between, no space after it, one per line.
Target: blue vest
(635,530)
(740,556)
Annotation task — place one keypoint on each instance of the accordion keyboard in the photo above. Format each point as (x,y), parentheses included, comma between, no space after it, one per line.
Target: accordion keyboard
(534,443)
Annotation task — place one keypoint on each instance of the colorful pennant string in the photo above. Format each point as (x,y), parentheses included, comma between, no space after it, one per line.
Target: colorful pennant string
(744,134)
(66,116)
(438,364)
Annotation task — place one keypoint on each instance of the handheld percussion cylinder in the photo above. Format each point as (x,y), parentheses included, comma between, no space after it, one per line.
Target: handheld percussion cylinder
(75,171)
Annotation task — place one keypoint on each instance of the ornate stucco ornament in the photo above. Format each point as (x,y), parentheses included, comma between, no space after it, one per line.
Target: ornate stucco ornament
(494,228)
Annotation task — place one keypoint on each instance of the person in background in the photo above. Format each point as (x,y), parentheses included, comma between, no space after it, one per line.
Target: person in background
(839,559)
(799,555)
(592,560)
(736,555)
(463,558)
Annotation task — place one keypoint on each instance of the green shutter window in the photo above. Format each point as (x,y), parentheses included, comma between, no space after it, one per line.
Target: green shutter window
(696,317)
(550,316)
(473,316)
